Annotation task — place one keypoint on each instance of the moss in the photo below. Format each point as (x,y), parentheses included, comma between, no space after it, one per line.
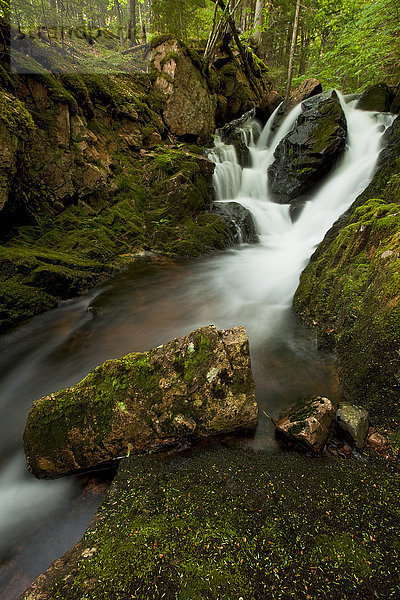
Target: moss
(168,57)
(14,114)
(351,290)
(223,524)
(161,39)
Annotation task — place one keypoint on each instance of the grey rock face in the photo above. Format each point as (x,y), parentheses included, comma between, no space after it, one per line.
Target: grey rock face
(353,420)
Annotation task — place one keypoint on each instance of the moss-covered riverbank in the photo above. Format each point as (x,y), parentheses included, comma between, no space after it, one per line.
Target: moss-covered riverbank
(350,291)
(92,172)
(226,524)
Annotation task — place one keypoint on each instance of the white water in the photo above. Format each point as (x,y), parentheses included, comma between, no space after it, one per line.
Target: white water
(258,281)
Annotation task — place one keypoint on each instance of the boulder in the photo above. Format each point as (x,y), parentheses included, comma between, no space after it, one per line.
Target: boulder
(240,222)
(307,89)
(196,386)
(377,97)
(354,421)
(232,133)
(189,105)
(268,105)
(308,422)
(310,150)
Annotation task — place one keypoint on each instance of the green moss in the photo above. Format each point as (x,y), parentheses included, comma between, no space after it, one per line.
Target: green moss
(14,114)
(350,291)
(223,524)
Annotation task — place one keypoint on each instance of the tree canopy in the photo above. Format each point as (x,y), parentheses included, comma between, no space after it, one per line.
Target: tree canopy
(345,43)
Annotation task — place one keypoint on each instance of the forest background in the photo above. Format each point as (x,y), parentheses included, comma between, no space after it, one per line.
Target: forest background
(347,44)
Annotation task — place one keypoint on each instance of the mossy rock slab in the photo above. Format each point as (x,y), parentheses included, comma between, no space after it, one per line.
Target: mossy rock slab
(196,386)
(224,524)
(377,97)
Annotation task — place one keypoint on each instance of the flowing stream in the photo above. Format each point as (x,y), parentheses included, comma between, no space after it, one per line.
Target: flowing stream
(157,299)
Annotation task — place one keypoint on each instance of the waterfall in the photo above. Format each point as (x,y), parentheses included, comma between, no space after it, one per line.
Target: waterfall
(258,281)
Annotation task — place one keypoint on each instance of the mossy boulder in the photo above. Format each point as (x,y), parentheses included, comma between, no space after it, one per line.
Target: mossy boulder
(350,291)
(377,97)
(308,423)
(189,104)
(310,150)
(230,523)
(196,386)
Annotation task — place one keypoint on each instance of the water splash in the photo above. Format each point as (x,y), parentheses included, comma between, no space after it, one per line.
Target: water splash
(258,282)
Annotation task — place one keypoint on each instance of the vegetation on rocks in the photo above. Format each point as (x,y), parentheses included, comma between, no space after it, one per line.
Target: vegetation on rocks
(92,175)
(349,292)
(193,387)
(224,524)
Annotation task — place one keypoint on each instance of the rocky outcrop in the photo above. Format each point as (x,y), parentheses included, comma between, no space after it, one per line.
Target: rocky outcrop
(354,421)
(240,222)
(190,106)
(232,134)
(350,289)
(196,386)
(377,97)
(308,423)
(310,150)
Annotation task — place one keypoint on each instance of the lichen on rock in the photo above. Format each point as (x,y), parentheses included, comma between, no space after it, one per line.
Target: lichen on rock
(199,385)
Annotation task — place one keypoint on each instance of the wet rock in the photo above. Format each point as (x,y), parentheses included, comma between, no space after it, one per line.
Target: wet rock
(310,150)
(377,97)
(240,222)
(190,105)
(354,421)
(232,134)
(196,386)
(307,89)
(309,422)
(268,105)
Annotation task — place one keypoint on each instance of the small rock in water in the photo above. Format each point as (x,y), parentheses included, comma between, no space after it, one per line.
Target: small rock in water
(353,420)
(308,422)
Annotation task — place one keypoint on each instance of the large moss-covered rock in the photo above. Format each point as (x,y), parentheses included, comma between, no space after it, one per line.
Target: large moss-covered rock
(189,108)
(377,97)
(350,291)
(228,523)
(196,386)
(310,150)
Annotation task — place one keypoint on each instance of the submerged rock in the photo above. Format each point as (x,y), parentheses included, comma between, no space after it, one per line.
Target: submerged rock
(199,385)
(308,422)
(310,150)
(353,420)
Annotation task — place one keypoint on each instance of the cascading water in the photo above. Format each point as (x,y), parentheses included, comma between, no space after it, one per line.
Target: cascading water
(259,280)
(251,284)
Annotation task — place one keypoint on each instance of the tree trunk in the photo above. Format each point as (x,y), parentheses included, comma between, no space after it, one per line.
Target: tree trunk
(292,50)
(131,29)
(258,21)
